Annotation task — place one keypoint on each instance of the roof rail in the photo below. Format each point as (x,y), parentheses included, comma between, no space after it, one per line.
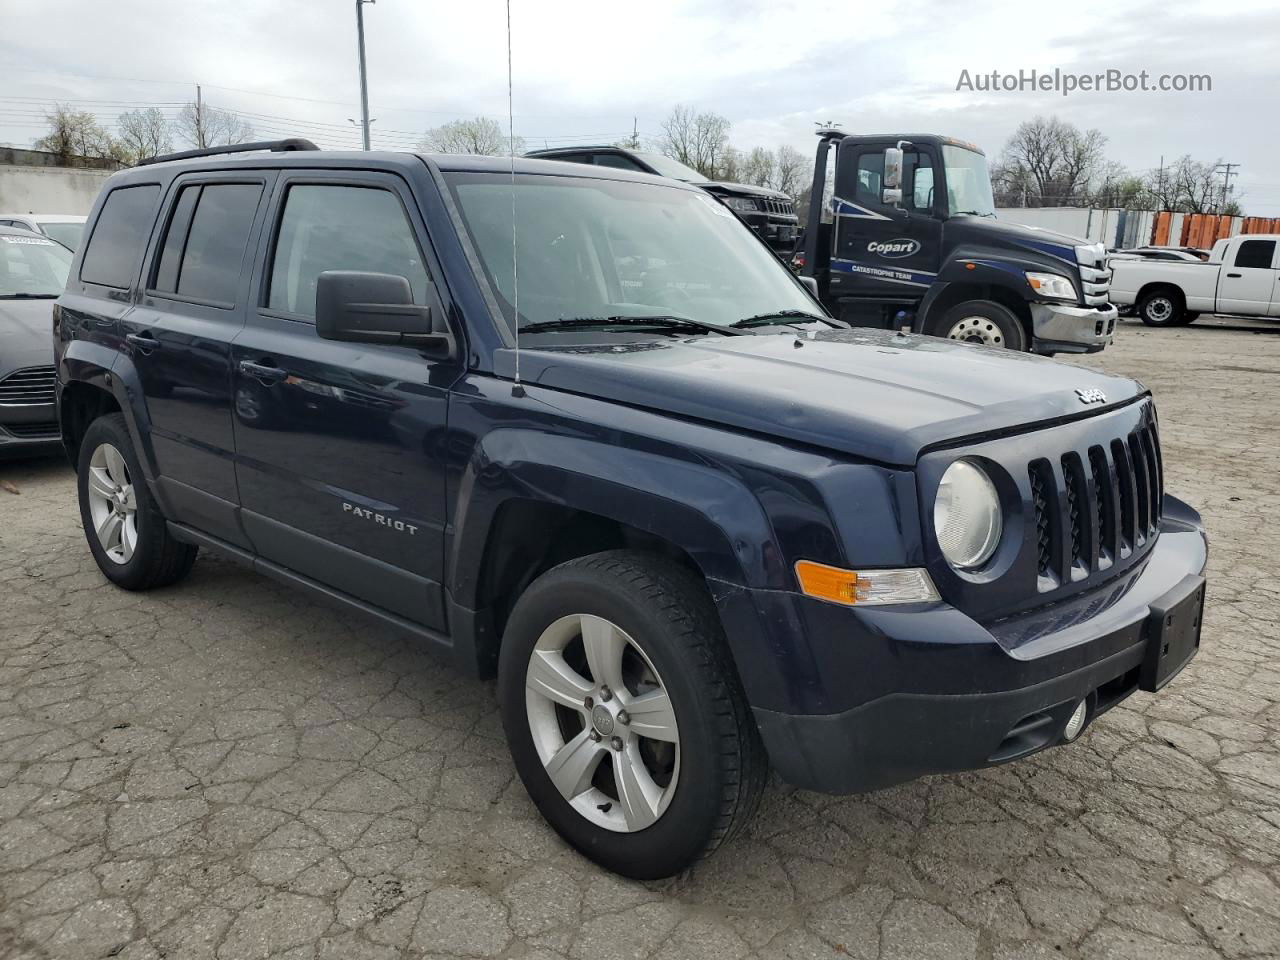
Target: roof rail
(275,146)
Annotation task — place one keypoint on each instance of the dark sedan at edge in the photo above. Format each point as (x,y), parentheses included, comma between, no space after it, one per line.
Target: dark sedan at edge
(33,271)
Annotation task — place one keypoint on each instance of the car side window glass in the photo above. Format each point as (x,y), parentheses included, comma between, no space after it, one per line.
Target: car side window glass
(119,236)
(210,267)
(918,172)
(340,227)
(617,161)
(1256,253)
(868,187)
(175,239)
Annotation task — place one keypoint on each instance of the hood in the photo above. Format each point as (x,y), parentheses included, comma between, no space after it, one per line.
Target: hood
(873,394)
(26,334)
(741,189)
(1046,241)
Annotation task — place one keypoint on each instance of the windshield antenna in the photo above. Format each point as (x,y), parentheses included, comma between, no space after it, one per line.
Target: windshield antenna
(517,389)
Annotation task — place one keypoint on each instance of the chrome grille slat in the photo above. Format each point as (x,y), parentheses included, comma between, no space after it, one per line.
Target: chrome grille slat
(30,385)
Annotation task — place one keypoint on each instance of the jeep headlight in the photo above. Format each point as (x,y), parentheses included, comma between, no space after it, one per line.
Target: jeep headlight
(1052,285)
(966,516)
(742,204)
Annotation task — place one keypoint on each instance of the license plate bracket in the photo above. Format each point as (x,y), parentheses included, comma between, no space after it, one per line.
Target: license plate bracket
(1173,633)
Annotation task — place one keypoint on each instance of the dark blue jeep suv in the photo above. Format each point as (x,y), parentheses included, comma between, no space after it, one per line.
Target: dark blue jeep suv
(577,428)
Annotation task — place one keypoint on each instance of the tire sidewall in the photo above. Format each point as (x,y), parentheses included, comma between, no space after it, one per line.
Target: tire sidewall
(685,827)
(1015,337)
(112,430)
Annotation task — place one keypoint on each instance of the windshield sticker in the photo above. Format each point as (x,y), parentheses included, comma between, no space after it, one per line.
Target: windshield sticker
(718,208)
(38,241)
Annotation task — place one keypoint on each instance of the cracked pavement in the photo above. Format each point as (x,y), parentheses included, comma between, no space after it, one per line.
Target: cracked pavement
(226,769)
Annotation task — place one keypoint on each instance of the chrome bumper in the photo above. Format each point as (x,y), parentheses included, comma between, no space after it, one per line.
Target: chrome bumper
(1063,328)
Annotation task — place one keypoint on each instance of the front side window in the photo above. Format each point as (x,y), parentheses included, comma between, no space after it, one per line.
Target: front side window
(599,249)
(1256,253)
(205,243)
(32,266)
(340,227)
(119,236)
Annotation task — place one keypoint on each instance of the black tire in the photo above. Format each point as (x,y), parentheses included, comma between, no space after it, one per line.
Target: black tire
(722,764)
(158,559)
(1188,317)
(981,321)
(1162,308)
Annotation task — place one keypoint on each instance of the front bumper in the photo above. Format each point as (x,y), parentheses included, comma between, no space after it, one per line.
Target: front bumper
(1062,328)
(941,693)
(29,431)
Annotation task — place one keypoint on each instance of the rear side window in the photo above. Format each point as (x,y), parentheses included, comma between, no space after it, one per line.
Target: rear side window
(1256,253)
(617,161)
(339,227)
(121,232)
(205,242)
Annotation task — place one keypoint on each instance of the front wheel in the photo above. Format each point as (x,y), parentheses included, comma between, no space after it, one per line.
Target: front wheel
(624,715)
(982,322)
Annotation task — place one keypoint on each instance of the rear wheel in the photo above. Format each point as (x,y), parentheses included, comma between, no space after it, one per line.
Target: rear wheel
(1162,308)
(982,322)
(624,715)
(127,533)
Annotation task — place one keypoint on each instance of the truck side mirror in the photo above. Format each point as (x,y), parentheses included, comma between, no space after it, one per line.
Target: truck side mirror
(892,178)
(358,307)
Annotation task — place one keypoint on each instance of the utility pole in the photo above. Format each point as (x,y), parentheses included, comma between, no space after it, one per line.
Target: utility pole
(1226,181)
(199,119)
(364,80)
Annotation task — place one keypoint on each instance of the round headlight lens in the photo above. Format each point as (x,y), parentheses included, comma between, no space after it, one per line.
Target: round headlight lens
(966,515)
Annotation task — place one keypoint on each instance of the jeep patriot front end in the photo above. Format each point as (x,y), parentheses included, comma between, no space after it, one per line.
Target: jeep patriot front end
(579,429)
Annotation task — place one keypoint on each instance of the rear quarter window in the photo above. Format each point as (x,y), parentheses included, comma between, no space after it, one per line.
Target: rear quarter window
(119,235)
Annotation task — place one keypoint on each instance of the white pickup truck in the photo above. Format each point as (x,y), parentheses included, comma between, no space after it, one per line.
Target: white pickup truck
(1241,277)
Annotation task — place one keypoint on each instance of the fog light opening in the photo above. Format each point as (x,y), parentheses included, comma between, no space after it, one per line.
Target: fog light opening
(1075,723)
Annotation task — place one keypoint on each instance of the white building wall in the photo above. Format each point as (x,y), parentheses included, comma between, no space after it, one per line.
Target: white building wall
(69,190)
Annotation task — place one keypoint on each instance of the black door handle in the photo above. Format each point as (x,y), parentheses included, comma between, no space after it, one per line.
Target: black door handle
(1236,275)
(143,341)
(262,371)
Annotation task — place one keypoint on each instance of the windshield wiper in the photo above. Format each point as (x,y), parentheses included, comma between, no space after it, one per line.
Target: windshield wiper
(663,321)
(780,318)
(28,296)
(973,213)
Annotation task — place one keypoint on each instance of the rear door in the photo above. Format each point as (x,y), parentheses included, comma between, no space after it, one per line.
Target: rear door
(179,337)
(340,446)
(1247,283)
(878,250)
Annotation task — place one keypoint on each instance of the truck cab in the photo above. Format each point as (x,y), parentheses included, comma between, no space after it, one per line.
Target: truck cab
(912,240)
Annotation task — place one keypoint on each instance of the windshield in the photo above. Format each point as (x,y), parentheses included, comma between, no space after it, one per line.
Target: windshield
(672,168)
(591,248)
(968,182)
(66,232)
(32,266)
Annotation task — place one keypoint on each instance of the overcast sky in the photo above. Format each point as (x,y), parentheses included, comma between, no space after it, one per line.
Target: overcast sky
(583,71)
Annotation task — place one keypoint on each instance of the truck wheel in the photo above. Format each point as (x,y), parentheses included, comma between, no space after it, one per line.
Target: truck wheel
(624,714)
(981,321)
(1161,308)
(125,529)
(1188,317)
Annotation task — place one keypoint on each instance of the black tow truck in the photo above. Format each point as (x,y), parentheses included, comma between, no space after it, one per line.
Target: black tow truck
(910,239)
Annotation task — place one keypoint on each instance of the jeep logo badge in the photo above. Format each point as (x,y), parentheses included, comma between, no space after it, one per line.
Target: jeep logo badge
(1091,395)
(893,249)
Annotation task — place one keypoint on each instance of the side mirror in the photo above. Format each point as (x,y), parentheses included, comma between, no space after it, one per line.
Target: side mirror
(358,307)
(893,167)
(810,284)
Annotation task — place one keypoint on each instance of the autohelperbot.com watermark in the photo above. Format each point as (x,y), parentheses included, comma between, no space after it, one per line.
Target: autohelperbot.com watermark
(1067,82)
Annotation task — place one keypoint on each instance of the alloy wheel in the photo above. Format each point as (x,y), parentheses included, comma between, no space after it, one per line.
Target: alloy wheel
(602,723)
(113,505)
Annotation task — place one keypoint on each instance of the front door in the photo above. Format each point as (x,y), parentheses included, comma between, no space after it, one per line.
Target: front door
(878,250)
(340,446)
(1245,284)
(193,304)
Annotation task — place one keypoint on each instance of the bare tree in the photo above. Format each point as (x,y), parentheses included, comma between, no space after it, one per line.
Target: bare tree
(204,126)
(1050,162)
(75,133)
(481,135)
(758,167)
(1186,186)
(792,172)
(143,134)
(698,140)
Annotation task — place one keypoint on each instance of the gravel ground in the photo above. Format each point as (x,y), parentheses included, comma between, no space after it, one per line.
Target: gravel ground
(225,769)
